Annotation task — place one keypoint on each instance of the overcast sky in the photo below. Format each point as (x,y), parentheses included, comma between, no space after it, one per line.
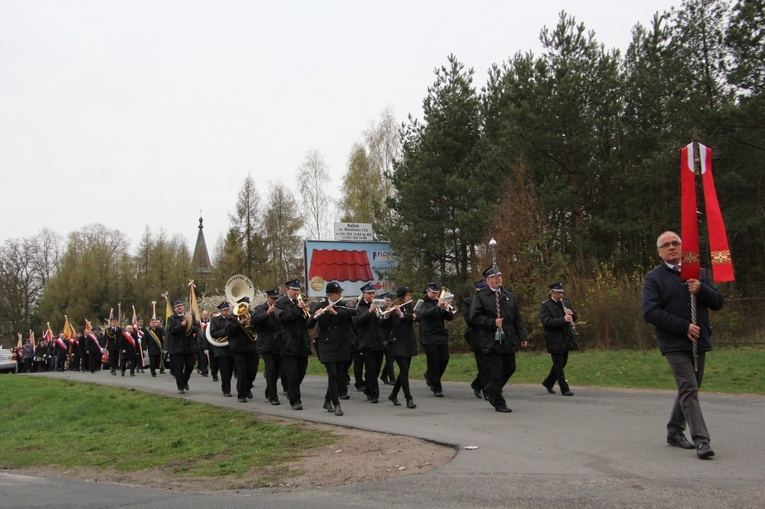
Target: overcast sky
(134,113)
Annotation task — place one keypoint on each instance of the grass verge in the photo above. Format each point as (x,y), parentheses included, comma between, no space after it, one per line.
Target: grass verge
(735,371)
(48,422)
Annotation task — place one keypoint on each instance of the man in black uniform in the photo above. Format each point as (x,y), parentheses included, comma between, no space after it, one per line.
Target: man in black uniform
(113,334)
(434,339)
(269,342)
(242,341)
(333,342)
(221,350)
(474,342)
(153,338)
(203,350)
(182,345)
(388,374)
(128,350)
(558,319)
(292,312)
(499,335)
(370,341)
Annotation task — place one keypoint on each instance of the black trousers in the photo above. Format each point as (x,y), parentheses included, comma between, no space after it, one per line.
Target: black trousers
(333,381)
(214,368)
(226,371)
(127,361)
(246,370)
(114,360)
(501,368)
(154,363)
(183,366)
(437,357)
(402,381)
(358,370)
(559,361)
(482,378)
(294,368)
(372,365)
(272,364)
(388,374)
(202,361)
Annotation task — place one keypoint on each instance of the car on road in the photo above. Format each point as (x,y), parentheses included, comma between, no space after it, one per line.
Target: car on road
(7,362)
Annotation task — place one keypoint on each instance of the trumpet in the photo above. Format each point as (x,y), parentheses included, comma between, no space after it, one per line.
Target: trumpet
(306,311)
(446,296)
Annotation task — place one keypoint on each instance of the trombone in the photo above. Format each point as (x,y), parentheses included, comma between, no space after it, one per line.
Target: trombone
(306,312)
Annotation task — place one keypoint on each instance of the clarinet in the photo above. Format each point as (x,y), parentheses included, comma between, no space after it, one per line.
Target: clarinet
(566,310)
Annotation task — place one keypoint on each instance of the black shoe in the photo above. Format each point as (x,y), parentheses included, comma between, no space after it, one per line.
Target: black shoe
(242,400)
(215,379)
(186,387)
(181,391)
(226,394)
(425,376)
(679,440)
(477,393)
(374,400)
(161,371)
(393,399)
(204,375)
(132,374)
(360,388)
(123,373)
(249,395)
(328,406)
(704,451)
(410,403)
(438,394)
(153,374)
(567,393)
(297,406)
(502,408)
(345,396)
(338,410)
(549,389)
(274,402)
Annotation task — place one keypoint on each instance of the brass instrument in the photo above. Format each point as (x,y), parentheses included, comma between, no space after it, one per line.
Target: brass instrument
(379,304)
(447,297)
(306,312)
(392,308)
(238,287)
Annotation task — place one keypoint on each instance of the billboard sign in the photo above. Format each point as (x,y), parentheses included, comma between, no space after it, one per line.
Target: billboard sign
(352,264)
(354,232)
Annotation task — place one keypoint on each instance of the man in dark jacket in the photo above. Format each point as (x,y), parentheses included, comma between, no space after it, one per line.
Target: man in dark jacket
(113,334)
(367,325)
(473,339)
(292,313)
(182,344)
(333,341)
(221,350)
(153,339)
(666,304)
(558,319)
(434,338)
(499,336)
(242,341)
(269,342)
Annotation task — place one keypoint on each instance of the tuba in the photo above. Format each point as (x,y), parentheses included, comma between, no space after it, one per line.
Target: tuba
(239,286)
(221,342)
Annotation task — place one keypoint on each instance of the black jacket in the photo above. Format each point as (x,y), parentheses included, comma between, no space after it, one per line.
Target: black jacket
(483,314)
(296,340)
(367,325)
(218,325)
(431,318)
(177,340)
(333,341)
(558,333)
(268,328)
(402,337)
(666,304)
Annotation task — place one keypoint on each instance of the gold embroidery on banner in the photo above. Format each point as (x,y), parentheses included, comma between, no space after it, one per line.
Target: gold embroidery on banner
(720,257)
(691,257)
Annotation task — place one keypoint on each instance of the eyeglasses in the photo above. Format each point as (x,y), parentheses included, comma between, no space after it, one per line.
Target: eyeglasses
(674,243)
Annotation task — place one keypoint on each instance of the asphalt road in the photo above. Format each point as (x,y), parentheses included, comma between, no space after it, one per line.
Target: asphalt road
(600,448)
